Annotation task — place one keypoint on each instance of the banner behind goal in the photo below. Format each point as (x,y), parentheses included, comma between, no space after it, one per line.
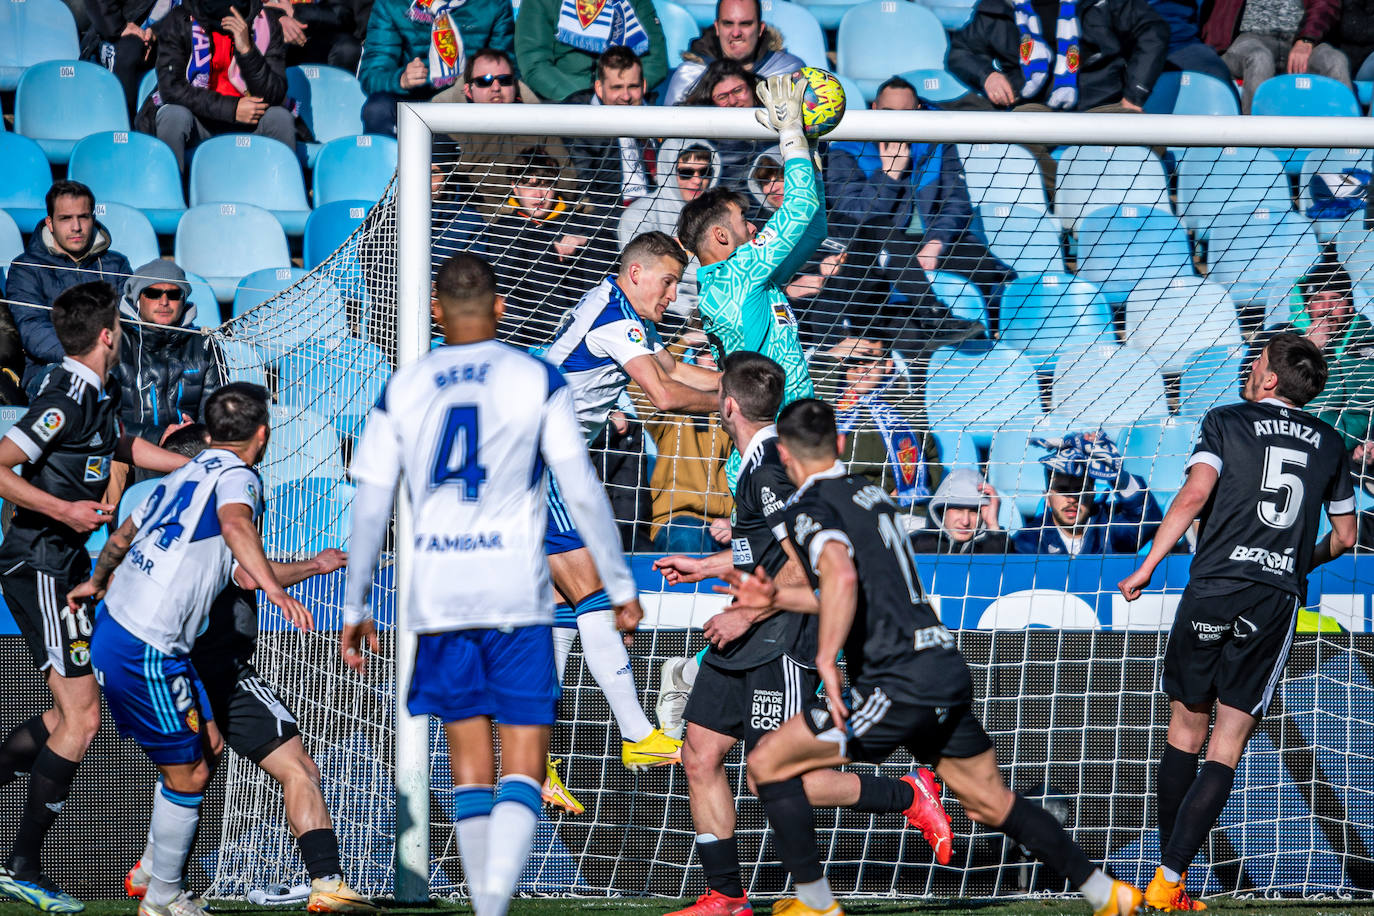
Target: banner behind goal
(1103,273)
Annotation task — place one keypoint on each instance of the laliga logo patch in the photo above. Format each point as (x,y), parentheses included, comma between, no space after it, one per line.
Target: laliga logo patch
(636,336)
(764,236)
(48,424)
(80,653)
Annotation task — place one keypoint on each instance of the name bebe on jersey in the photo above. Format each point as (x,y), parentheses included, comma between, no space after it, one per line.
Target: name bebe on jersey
(457,375)
(1288,428)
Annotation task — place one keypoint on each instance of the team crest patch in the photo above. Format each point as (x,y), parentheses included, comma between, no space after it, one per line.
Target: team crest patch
(80,653)
(193,721)
(636,336)
(805,526)
(49,423)
(97,469)
(820,717)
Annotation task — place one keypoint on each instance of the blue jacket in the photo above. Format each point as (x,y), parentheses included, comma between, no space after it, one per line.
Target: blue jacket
(395,38)
(1182,17)
(862,193)
(1122,523)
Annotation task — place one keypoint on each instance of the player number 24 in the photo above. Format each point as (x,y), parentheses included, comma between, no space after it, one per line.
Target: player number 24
(455,460)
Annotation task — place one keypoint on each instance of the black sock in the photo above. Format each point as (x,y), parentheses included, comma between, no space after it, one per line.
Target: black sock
(320,852)
(720,862)
(881,794)
(1198,814)
(1037,830)
(1177,770)
(794,828)
(21,748)
(50,781)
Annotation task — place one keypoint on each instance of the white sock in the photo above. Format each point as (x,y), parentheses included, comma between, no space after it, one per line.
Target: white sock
(509,835)
(1170,875)
(687,674)
(171,833)
(609,663)
(471,819)
(1097,890)
(562,647)
(816,894)
(146,860)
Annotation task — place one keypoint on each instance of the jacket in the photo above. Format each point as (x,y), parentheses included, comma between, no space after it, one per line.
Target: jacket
(959,488)
(770,58)
(1182,19)
(163,372)
(347,16)
(108,17)
(555,70)
(394,39)
(1122,523)
(479,179)
(1122,44)
(1221,21)
(599,161)
(39,275)
(932,190)
(689,475)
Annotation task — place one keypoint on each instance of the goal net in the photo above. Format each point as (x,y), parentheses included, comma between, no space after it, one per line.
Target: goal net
(1091,274)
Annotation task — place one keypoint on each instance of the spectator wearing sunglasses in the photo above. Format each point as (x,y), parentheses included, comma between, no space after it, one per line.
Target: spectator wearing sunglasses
(166,370)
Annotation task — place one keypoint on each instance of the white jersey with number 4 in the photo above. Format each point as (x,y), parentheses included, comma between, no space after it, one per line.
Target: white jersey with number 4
(473,427)
(179,562)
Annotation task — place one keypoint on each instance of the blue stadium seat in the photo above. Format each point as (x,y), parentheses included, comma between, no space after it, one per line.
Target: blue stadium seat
(1107,176)
(827,12)
(1305,94)
(1014,468)
(224,242)
(126,167)
(1107,385)
(953,14)
(61,101)
(972,391)
(1211,377)
(259,286)
(354,167)
(130,232)
(242,361)
(33,31)
(311,515)
(330,103)
(1025,238)
(855,98)
(1186,92)
(703,14)
(963,298)
(1041,314)
(999,174)
(329,225)
(1327,161)
(247,169)
(1211,178)
(801,33)
(315,313)
(207,313)
(1354,249)
(1122,248)
(25,176)
(936,85)
(134,496)
(679,29)
(11,240)
(865,49)
(146,86)
(339,380)
(303,445)
(1159,452)
(1186,315)
(1254,254)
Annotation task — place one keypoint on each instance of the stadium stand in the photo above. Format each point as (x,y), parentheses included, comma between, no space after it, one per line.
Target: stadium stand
(329,225)
(353,167)
(329,101)
(1254,252)
(244,169)
(954,14)
(261,285)
(25,176)
(679,28)
(59,102)
(1044,314)
(31,32)
(1025,238)
(865,53)
(963,298)
(936,85)
(1335,164)
(1107,385)
(11,242)
(207,314)
(829,13)
(1212,178)
(975,389)
(127,167)
(1003,174)
(131,234)
(1107,176)
(1185,92)
(1172,322)
(1124,248)
(800,30)
(1210,377)
(225,242)
(324,503)
(1159,453)
(1308,95)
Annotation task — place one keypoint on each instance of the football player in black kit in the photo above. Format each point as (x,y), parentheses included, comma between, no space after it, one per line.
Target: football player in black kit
(65,443)
(1258,478)
(909,686)
(758,671)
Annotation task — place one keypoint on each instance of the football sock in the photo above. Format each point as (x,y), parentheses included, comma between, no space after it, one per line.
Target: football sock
(1197,814)
(513,820)
(794,829)
(562,647)
(1037,830)
(320,853)
(471,815)
(50,781)
(816,894)
(720,862)
(1177,770)
(173,829)
(609,663)
(1097,890)
(879,794)
(20,749)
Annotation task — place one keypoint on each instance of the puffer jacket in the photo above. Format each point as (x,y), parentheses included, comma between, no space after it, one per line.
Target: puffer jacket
(399,32)
(770,58)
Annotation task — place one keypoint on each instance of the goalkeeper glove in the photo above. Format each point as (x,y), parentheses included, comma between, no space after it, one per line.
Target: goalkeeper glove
(782,97)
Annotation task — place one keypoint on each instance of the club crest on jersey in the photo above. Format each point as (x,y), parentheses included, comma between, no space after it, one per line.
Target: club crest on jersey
(193,720)
(49,423)
(97,469)
(771,503)
(80,653)
(635,335)
(804,527)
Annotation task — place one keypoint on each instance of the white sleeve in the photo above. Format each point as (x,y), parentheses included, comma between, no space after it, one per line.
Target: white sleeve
(239,485)
(622,341)
(371,514)
(377,457)
(824,537)
(565,449)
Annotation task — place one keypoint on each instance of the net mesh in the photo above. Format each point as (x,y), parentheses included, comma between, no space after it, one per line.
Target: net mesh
(1077,289)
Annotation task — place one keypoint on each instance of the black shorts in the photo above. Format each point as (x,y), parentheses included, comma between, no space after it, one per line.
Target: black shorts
(750,702)
(878,725)
(58,638)
(1230,648)
(252,718)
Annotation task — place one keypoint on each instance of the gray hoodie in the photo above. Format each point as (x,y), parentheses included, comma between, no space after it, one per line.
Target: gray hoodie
(960,490)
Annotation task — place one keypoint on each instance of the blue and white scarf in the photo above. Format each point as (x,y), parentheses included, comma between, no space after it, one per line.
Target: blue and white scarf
(1035,53)
(595,25)
(904,453)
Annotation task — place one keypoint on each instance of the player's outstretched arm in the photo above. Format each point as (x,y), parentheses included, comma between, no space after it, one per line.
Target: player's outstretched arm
(839,602)
(143,454)
(681,570)
(372,504)
(111,555)
(665,391)
(758,591)
(1196,490)
(698,377)
(241,534)
(83,516)
(289,574)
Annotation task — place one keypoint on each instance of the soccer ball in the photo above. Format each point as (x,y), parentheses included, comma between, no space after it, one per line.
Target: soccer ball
(823,105)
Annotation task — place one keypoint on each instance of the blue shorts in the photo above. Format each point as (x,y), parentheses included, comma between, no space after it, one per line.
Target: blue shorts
(560,536)
(507,675)
(156,699)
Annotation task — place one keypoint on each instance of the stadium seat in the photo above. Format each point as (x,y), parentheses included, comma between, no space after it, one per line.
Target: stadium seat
(130,232)
(207,314)
(242,361)
(127,167)
(703,13)
(303,445)
(964,299)
(328,227)
(865,49)
(146,86)
(1211,178)
(1211,377)
(134,496)
(11,240)
(339,380)
(1159,453)
(330,103)
(936,86)
(973,390)
(1186,315)
(1328,161)
(225,242)
(1041,314)
(999,174)
(59,102)
(247,169)
(1307,95)
(354,167)
(33,31)
(1107,176)
(1122,248)
(1106,385)
(25,176)
(953,14)
(259,286)
(801,33)
(314,313)
(1186,92)
(855,98)
(827,12)
(1014,467)
(679,28)
(1025,238)
(1254,254)
(313,514)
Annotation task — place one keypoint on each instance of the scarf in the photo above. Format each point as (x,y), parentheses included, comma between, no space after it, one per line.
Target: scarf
(202,49)
(1035,54)
(446,53)
(903,445)
(595,25)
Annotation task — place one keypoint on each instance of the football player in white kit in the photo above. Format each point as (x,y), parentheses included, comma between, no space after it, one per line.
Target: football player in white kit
(475,427)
